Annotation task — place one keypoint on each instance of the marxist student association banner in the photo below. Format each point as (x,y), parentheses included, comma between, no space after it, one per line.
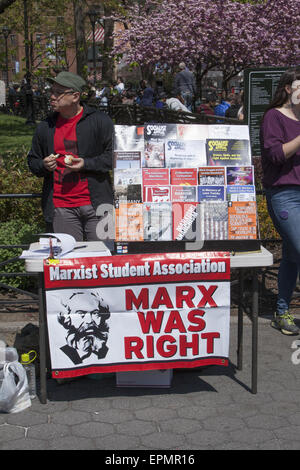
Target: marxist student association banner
(142,312)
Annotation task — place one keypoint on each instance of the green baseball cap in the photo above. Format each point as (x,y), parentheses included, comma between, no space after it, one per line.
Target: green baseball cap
(70,80)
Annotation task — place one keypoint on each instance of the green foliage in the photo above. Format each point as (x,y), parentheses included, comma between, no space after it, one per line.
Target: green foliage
(267,229)
(20,218)
(15,178)
(16,232)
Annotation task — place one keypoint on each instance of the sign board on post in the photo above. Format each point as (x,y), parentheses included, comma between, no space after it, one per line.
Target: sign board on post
(2,93)
(260,85)
(136,313)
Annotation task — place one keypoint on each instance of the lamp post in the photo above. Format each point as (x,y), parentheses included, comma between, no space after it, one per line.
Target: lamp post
(93,14)
(6,33)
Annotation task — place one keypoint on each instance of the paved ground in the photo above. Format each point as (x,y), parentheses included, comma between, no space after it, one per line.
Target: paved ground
(210,408)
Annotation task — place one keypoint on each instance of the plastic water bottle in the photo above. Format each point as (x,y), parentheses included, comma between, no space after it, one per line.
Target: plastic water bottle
(29,367)
(7,354)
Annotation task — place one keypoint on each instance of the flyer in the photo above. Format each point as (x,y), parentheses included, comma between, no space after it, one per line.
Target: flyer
(186,221)
(183,176)
(156,176)
(211,175)
(244,192)
(157,193)
(211,193)
(184,193)
(215,220)
(126,160)
(128,146)
(157,221)
(129,222)
(185,154)
(123,177)
(130,193)
(155,136)
(240,175)
(228,152)
(242,220)
(154,155)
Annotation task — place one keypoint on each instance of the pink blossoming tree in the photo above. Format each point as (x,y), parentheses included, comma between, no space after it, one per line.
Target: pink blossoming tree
(206,34)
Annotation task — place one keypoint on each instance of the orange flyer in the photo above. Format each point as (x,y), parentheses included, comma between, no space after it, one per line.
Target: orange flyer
(129,222)
(242,220)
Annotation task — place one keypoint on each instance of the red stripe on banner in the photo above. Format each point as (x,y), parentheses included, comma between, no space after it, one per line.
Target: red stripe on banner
(136,269)
(212,361)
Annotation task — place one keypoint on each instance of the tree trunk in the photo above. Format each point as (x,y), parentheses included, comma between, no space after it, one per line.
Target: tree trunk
(80,42)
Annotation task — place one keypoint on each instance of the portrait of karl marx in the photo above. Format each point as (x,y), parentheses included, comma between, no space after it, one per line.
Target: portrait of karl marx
(85,316)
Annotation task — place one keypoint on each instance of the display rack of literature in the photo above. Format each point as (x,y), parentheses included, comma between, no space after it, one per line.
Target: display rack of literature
(179,183)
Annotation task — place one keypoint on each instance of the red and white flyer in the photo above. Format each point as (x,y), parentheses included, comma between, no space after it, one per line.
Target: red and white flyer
(137,312)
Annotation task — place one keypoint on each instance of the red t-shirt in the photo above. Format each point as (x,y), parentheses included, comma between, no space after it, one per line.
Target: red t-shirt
(70,187)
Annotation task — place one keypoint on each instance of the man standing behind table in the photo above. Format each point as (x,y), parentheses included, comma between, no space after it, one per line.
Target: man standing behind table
(185,85)
(73,187)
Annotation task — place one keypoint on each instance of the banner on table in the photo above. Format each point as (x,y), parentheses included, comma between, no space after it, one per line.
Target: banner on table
(141,312)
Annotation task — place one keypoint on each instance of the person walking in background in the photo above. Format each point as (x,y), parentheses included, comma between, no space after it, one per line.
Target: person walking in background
(72,151)
(185,85)
(280,152)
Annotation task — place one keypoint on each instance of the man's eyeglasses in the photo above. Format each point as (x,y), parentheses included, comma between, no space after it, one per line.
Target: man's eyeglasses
(58,93)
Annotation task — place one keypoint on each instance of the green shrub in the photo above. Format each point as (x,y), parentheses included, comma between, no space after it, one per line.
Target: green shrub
(16,232)
(15,178)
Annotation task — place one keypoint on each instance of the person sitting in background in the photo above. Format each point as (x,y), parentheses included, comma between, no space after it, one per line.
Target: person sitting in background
(161,102)
(177,104)
(232,111)
(208,105)
(222,107)
(120,86)
(147,94)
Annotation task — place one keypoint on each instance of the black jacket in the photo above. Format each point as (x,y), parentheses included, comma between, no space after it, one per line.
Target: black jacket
(95,145)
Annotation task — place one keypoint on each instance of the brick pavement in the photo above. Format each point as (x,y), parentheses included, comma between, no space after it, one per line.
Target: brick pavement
(210,408)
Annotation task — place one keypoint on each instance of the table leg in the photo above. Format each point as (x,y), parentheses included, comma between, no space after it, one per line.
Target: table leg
(240,322)
(254,329)
(42,340)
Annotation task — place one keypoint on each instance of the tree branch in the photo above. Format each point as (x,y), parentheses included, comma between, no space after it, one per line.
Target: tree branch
(5,4)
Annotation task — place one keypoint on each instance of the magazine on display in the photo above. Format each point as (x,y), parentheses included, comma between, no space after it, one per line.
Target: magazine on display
(185,154)
(155,137)
(242,220)
(240,193)
(227,152)
(215,220)
(211,175)
(129,222)
(183,176)
(211,193)
(157,193)
(157,221)
(186,221)
(156,176)
(184,194)
(240,175)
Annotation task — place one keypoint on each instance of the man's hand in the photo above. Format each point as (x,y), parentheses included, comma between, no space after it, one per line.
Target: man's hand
(50,162)
(76,165)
